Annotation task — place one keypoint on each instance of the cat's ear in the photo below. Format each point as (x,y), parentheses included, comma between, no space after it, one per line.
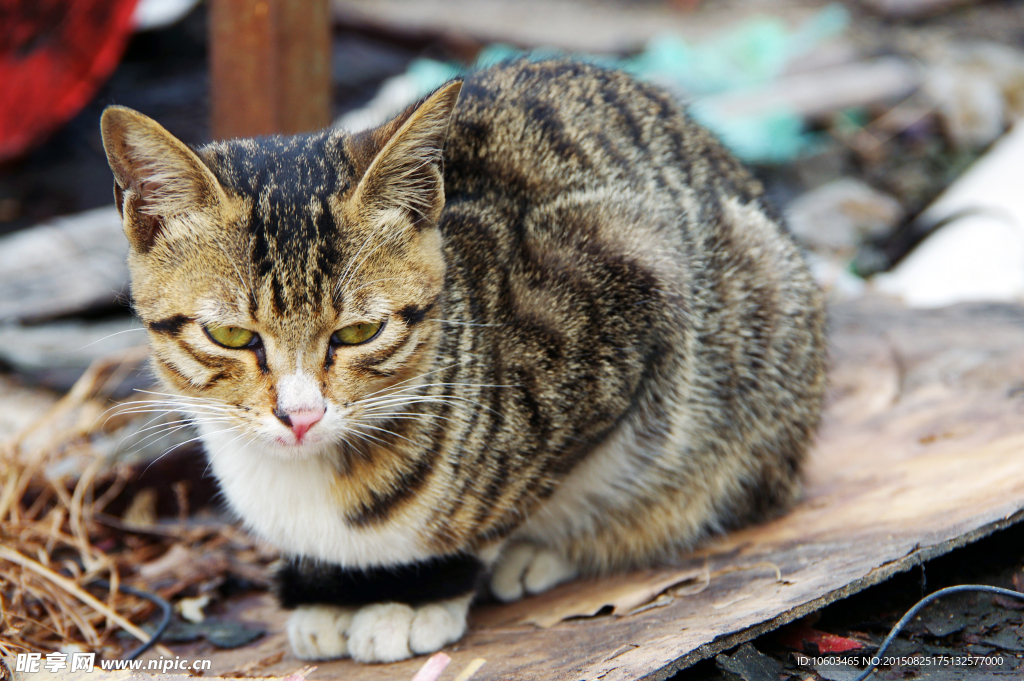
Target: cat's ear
(407,172)
(157,177)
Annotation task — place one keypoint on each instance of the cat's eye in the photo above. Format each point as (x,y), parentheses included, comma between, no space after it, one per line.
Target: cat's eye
(230,336)
(357,333)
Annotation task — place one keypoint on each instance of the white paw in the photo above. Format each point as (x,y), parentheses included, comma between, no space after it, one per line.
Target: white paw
(438,624)
(317,632)
(387,632)
(380,633)
(528,568)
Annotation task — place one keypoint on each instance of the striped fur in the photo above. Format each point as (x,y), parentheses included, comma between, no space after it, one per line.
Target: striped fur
(597,336)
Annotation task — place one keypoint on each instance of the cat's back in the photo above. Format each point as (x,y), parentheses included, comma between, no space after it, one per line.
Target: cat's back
(559,125)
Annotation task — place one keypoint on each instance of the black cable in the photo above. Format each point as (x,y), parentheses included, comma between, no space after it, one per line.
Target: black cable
(155,600)
(920,605)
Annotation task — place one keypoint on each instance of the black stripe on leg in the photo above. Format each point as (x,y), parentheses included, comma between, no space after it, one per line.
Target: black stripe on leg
(308,583)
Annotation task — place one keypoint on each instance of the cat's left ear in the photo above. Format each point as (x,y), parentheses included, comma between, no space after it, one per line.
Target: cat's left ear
(157,177)
(407,172)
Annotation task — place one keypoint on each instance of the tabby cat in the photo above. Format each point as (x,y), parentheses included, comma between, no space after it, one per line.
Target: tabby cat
(540,324)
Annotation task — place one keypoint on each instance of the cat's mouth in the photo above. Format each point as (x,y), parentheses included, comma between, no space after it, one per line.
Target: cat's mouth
(294,441)
(287,447)
(289,442)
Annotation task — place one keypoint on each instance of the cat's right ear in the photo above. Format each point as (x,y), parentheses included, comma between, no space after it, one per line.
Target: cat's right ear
(156,177)
(406,172)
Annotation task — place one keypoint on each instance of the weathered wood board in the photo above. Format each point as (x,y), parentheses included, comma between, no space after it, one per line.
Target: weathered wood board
(575,25)
(64,266)
(922,451)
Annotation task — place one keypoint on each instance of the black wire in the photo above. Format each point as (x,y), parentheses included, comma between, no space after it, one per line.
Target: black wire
(155,600)
(923,603)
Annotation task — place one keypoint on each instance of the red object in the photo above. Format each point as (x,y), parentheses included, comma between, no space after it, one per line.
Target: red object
(54,56)
(814,642)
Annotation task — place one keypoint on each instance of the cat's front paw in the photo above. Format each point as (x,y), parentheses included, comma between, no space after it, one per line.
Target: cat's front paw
(319,632)
(388,632)
(528,568)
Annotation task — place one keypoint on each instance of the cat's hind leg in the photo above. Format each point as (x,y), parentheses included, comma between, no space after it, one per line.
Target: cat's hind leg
(527,568)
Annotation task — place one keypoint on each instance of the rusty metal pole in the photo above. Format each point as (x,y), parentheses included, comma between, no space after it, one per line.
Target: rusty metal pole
(270,66)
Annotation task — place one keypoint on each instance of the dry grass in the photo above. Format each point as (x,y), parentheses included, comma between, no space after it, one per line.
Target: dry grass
(49,475)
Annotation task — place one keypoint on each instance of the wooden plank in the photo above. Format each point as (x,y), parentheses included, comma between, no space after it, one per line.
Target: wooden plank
(823,91)
(920,453)
(63,266)
(574,25)
(42,347)
(270,66)
(914,9)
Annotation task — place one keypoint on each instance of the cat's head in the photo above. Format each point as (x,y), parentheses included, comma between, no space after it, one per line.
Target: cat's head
(286,282)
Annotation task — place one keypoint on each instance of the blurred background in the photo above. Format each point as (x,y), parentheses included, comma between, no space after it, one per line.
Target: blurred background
(884,129)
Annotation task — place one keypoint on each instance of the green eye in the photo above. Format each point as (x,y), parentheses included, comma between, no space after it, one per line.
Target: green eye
(230,336)
(357,333)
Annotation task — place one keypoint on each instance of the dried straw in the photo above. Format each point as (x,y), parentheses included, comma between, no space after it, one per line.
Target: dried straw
(47,557)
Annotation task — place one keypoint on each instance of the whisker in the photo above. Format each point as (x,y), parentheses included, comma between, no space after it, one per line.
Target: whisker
(213,455)
(246,288)
(440,399)
(426,399)
(116,333)
(182,444)
(444,368)
(407,416)
(153,437)
(149,407)
(375,281)
(368,437)
(452,321)
(393,235)
(343,279)
(184,422)
(140,407)
(181,397)
(419,386)
(354,446)
(144,429)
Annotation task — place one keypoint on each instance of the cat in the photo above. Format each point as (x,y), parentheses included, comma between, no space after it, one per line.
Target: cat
(540,324)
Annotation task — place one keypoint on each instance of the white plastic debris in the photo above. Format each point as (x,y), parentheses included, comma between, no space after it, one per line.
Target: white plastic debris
(191,609)
(995,183)
(976,258)
(977,250)
(151,15)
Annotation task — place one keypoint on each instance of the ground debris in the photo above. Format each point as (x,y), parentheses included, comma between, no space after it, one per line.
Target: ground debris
(749,664)
(220,634)
(59,482)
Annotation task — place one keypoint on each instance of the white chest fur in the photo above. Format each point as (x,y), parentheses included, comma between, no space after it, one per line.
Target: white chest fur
(292,505)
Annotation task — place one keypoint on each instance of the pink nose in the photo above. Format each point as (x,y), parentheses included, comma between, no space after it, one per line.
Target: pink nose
(301,421)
